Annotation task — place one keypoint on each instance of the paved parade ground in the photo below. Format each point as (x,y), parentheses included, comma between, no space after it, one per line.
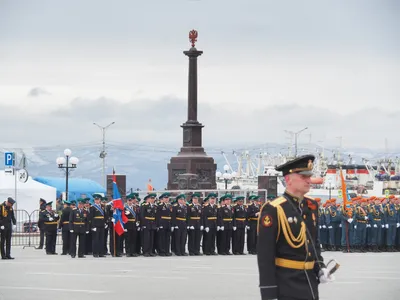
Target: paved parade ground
(34,275)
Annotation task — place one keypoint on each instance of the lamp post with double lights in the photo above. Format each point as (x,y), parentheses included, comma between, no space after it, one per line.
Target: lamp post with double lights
(67,164)
(226,176)
(296,134)
(103,153)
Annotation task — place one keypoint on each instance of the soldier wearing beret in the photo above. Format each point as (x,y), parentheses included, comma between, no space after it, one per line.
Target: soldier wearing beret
(195,225)
(179,222)
(163,218)
(148,224)
(239,226)
(289,261)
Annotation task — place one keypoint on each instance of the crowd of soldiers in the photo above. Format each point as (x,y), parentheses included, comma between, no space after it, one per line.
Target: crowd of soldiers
(365,224)
(154,226)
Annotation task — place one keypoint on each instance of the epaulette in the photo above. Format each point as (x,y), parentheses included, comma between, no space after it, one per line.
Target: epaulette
(74,208)
(190,204)
(145,203)
(175,204)
(308,197)
(207,204)
(218,206)
(278,201)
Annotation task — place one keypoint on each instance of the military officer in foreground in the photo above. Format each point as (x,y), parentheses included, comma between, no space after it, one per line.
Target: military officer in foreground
(290,265)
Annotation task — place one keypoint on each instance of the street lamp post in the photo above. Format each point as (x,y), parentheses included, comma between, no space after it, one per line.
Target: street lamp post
(67,163)
(103,153)
(226,176)
(296,134)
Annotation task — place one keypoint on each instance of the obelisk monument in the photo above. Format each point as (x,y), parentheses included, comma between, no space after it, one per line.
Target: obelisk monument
(192,168)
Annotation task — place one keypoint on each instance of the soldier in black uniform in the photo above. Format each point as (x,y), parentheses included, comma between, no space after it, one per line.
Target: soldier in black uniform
(131,229)
(253,211)
(89,236)
(79,227)
(7,218)
(195,224)
(148,224)
(179,223)
(239,226)
(290,264)
(107,220)
(97,221)
(50,220)
(42,208)
(163,219)
(210,225)
(138,242)
(64,226)
(225,222)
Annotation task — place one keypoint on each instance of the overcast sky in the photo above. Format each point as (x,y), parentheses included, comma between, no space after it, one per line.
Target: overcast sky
(267,66)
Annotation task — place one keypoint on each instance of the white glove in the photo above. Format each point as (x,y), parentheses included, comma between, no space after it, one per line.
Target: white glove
(218,228)
(350,220)
(127,212)
(329,227)
(125,230)
(14,227)
(188,228)
(105,226)
(71,231)
(176,227)
(234,228)
(56,215)
(387,226)
(323,226)
(137,223)
(340,225)
(324,276)
(161,227)
(366,218)
(222,228)
(51,219)
(143,227)
(87,232)
(94,229)
(398,225)
(383,225)
(375,226)
(207,229)
(138,229)
(192,227)
(201,227)
(2,227)
(355,226)
(248,227)
(320,226)
(172,229)
(112,220)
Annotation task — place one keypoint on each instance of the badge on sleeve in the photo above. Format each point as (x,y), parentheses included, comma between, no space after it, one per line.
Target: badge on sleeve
(267,221)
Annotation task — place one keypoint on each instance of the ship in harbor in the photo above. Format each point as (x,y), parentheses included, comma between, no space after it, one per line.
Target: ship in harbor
(368,178)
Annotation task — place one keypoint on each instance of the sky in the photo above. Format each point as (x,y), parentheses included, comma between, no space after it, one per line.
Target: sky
(267,67)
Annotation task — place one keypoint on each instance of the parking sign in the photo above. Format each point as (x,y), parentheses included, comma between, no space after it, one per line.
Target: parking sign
(9,159)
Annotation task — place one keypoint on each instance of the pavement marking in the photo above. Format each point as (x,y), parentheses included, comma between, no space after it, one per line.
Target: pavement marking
(193,267)
(104,275)
(52,289)
(379,272)
(375,277)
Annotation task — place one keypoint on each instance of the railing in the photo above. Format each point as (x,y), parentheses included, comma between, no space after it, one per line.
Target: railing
(26,233)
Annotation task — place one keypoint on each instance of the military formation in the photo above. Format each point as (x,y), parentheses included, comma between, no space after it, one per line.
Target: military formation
(365,224)
(156,226)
